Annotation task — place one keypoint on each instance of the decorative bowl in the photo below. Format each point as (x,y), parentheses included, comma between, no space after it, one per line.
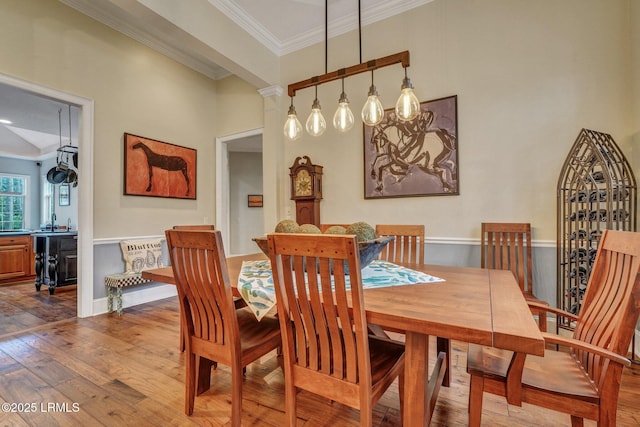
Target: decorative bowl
(369,250)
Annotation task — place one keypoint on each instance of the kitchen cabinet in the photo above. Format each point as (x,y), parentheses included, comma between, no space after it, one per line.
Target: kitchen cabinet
(16,258)
(56,259)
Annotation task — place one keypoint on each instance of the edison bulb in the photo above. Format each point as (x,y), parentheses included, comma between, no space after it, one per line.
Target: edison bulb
(343,118)
(316,123)
(408,106)
(372,112)
(292,127)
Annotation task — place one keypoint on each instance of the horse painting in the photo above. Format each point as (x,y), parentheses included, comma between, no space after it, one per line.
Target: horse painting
(399,150)
(168,163)
(158,169)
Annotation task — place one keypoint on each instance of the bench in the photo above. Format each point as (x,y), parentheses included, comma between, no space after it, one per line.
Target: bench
(138,255)
(117,282)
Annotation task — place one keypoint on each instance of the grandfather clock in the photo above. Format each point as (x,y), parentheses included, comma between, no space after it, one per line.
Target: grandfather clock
(306,190)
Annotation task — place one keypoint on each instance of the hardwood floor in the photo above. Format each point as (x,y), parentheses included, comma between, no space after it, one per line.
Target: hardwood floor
(118,371)
(23,308)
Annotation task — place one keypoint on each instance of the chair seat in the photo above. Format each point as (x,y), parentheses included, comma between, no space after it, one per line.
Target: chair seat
(557,373)
(387,357)
(254,332)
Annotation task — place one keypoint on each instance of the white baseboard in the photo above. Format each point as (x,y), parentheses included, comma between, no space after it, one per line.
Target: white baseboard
(133,298)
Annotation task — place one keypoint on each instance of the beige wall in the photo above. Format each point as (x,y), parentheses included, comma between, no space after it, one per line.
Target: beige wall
(135,90)
(517,118)
(240,106)
(528,75)
(635,67)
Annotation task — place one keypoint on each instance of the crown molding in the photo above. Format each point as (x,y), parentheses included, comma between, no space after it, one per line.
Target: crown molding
(249,24)
(115,18)
(346,23)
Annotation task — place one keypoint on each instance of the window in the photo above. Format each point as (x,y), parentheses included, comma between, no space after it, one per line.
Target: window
(13,202)
(48,193)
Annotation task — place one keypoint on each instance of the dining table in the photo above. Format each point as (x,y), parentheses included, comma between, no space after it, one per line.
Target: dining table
(473,305)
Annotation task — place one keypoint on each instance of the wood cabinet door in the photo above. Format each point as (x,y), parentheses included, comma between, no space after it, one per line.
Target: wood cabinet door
(15,257)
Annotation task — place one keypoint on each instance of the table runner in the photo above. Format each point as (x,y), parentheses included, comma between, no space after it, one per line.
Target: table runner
(255,282)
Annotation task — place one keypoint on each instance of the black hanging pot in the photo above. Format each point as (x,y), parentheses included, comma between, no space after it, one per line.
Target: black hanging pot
(56,176)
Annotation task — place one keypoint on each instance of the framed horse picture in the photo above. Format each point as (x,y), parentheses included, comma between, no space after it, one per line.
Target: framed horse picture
(413,158)
(158,169)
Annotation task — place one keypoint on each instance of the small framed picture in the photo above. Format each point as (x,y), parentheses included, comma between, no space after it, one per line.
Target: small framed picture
(254,200)
(64,198)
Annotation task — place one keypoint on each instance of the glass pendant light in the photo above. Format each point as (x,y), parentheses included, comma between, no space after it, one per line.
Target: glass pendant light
(372,112)
(343,118)
(292,127)
(408,106)
(316,123)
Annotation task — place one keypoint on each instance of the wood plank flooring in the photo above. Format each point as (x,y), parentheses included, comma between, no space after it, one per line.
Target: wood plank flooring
(125,371)
(23,308)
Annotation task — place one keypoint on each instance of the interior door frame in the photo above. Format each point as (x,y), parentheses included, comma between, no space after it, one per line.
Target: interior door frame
(85,193)
(222,181)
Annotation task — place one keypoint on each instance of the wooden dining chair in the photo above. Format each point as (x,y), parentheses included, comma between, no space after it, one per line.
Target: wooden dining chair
(585,380)
(507,246)
(408,245)
(239,302)
(326,348)
(214,328)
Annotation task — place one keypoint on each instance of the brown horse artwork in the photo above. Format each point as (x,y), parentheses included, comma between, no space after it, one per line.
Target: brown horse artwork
(412,158)
(158,169)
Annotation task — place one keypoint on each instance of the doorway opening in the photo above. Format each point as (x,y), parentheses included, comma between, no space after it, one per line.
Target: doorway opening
(85,197)
(239,176)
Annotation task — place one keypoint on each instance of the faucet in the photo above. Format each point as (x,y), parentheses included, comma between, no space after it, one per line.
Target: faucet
(53,221)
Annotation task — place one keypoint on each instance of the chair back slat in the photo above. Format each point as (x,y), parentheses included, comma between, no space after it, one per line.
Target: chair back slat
(203,286)
(507,246)
(322,318)
(611,303)
(408,245)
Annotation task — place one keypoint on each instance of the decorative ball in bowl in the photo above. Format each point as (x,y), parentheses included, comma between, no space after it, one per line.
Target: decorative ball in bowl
(369,250)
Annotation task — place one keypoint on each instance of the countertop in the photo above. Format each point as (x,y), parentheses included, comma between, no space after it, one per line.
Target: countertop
(16,233)
(38,233)
(54,233)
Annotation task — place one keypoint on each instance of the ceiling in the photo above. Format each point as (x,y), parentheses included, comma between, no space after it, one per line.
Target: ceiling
(35,129)
(38,125)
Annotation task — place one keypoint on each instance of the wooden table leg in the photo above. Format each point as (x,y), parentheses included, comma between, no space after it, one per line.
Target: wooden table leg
(416,399)
(444,345)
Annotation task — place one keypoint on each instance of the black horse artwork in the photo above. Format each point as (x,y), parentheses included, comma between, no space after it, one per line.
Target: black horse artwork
(168,163)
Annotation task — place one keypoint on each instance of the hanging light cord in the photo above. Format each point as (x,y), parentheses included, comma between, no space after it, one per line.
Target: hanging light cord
(326,35)
(360,31)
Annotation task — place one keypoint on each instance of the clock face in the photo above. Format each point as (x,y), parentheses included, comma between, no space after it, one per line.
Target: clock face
(303,183)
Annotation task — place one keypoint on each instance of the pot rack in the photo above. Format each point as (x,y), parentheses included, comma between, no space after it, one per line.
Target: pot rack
(69,149)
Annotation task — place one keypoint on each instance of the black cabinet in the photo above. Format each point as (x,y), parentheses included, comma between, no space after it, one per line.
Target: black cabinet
(56,260)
